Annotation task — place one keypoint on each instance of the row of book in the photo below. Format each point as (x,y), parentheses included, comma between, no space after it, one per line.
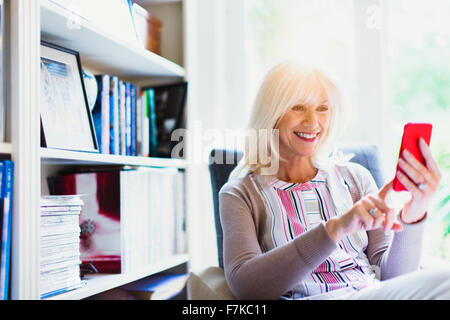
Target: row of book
(59,244)
(134,122)
(6,194)
(131,219)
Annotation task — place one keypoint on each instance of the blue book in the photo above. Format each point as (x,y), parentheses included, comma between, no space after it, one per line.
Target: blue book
(114,116)
(133,118)
(6,195)
(128,118)
(153,136)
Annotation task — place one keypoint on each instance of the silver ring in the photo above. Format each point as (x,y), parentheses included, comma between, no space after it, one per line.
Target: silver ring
(373,211)
(422,186)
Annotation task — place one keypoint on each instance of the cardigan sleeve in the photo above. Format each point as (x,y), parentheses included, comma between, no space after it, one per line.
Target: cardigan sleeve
(252,274)
(395,253)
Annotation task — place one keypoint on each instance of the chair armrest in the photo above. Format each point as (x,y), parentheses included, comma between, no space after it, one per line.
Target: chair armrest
(208,284)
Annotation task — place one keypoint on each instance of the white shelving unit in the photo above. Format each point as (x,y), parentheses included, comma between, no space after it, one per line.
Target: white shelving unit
(67,157)
(100,49)
(28,23)
(101,283)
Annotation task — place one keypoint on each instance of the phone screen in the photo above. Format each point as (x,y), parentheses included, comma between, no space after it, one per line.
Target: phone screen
(410,141)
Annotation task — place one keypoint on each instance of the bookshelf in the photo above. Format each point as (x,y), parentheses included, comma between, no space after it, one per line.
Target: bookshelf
(124,59)
(27,23)
(66,157)
(101,283)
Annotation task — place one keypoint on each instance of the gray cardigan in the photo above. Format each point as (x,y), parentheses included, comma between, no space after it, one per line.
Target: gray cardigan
(253,274)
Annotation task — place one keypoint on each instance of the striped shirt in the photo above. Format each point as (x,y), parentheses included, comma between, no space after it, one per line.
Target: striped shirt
(295,208)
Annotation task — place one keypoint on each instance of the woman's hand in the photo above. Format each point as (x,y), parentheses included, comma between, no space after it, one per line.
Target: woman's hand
(421,181)
(371,212)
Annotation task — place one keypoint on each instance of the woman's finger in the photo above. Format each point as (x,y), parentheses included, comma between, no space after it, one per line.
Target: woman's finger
(382,210)
(379,203)
(384,191)
(416,170)
(429,159)
(389,221)
(366,218)
(414,174)
(409,185)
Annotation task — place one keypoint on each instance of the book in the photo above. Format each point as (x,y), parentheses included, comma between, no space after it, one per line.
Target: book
(128,118)
(153,127)
(5,257)
(100,113)
(122,117)
(145,124)
(133,119)
(2,77)
(139,124)
(114,116)
(158,287)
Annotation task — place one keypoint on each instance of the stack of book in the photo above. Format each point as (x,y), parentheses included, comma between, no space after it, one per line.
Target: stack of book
(60,244)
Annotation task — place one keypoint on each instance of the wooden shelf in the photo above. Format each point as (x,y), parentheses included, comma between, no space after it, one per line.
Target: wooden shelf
(100,283)
(100,49)
(67,157)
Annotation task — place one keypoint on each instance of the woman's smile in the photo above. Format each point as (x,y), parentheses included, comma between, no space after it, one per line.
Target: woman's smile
(307,136)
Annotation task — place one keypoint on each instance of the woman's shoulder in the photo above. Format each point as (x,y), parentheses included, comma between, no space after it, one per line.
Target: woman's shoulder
(238,185)
(353,169)
(359,177)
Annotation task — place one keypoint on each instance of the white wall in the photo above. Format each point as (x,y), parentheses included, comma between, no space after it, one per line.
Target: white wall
(214,51)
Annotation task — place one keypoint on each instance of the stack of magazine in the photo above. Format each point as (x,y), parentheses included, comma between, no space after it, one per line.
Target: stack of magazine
(60,244)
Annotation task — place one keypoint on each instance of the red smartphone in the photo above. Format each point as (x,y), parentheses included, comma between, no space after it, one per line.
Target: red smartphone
(410,141)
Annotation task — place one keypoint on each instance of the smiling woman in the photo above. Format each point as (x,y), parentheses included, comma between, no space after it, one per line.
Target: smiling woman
(318,228)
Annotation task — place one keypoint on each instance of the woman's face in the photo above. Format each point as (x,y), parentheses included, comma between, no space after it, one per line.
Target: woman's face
(302,128)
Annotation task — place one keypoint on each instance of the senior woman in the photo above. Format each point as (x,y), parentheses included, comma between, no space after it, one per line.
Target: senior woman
(316,227)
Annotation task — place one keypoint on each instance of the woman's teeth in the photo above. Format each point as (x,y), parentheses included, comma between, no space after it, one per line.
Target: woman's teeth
(306,135)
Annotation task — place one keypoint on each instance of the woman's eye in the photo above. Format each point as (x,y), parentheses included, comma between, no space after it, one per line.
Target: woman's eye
(298,108)
(322,108)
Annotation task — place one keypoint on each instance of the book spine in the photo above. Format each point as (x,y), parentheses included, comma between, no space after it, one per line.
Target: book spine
(122,119)
(145,124)
(116,131)
(138,124)
(153,126)
(113,116)
(128,118)
(105,115)
(133,119)
(6,190)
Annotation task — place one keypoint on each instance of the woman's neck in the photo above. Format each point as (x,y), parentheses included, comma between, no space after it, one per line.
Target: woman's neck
(297,170)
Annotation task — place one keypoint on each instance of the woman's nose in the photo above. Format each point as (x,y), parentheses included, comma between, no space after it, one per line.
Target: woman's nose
(310,119)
